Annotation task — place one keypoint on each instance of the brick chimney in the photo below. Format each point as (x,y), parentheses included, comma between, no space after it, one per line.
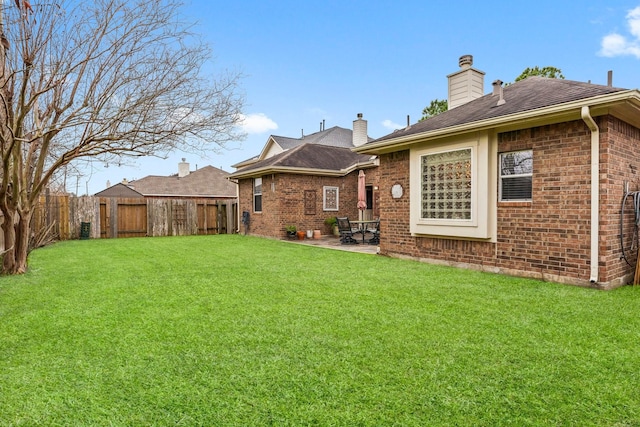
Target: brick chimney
(183,168)
(359,131)
(465,84)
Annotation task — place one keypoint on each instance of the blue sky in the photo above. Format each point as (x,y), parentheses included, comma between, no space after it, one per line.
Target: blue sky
(305,62)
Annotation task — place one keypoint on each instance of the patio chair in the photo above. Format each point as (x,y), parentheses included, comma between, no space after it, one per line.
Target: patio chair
(346,232)
(375,231)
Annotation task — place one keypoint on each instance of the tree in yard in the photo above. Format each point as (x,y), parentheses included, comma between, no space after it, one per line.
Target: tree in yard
(104,80)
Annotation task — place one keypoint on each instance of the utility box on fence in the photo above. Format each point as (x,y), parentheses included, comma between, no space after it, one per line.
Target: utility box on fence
(85,230)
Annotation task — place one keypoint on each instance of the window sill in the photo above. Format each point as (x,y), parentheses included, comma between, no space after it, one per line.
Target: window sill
(514,204)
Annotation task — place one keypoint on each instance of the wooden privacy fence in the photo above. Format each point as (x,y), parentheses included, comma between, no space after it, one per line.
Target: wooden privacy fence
(108,217)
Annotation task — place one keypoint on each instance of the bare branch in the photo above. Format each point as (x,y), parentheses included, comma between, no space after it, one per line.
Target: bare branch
(104,79)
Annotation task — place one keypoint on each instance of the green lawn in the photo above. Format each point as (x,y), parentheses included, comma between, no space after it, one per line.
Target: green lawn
(242,331)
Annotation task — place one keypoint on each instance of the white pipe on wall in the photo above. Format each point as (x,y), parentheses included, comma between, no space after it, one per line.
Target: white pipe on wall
(595,191)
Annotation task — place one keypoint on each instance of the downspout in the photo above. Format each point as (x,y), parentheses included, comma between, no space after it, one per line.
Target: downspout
(238,217)
(595,191)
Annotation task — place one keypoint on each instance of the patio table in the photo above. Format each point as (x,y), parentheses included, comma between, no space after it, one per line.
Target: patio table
(362,226)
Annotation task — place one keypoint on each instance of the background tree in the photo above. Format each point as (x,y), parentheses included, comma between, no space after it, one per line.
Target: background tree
(551,72)
(439,106)
(103,79)
(436,107)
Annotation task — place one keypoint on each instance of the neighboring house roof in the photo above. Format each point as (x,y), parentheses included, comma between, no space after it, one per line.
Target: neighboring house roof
(205,182)
(333,137)
(309,159)
(525,100)
(118,190)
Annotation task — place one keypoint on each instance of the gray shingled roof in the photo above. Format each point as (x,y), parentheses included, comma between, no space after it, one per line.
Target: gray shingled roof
(205,182)
(118,190)
(334,137)
(309,156)
(526,95)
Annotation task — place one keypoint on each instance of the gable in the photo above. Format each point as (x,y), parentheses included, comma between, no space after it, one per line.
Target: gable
(118,190)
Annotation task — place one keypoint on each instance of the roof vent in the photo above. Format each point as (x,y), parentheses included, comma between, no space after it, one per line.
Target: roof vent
(497,85)
(497,90)
(465,61)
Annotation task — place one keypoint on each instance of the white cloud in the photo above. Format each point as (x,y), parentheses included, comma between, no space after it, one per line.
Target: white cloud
(615,44)
(391,125)
(257,123)
(633,18)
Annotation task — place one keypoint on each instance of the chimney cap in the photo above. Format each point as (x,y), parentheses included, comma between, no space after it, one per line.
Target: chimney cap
(465,61)
(359,115)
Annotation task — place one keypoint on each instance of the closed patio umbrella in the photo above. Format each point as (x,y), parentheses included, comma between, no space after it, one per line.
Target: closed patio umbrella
(362,193)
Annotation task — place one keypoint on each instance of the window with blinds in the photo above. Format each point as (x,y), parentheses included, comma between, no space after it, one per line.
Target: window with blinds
(516,173)
(446,185)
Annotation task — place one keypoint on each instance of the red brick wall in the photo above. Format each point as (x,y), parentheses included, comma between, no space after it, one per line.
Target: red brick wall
(548,237)
(620,156)
(283,198)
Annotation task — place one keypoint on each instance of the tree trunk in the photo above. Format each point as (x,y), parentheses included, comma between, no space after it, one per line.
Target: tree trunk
(23,230)
(16,241)
(8,258)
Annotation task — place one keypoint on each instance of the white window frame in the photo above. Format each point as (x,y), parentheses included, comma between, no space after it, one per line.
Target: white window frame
(257,182)
(481,223)
(514,176)
(325,206)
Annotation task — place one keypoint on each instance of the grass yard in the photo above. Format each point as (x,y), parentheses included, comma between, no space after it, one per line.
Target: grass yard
(242,331)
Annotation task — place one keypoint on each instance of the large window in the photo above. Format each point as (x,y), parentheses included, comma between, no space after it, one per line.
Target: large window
(330,198)
(516,171)
(452,184)
(446,185)
(257,194)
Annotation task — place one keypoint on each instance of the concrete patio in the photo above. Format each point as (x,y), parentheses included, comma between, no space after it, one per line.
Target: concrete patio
(333,242)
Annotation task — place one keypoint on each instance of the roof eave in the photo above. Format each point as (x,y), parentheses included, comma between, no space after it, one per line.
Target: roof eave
(564,111)
(268,170)
(202,196)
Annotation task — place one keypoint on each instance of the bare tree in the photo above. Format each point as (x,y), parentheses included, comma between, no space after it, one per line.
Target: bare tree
(102,79)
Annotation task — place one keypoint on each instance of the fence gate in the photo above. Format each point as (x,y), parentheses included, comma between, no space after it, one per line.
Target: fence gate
(207,218)
(132,218)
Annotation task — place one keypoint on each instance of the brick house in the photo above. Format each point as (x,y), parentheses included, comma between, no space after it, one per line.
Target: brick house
(527,180)
(303,181)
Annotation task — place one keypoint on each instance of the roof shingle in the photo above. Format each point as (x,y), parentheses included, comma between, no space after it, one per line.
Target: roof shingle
(529,94)
(310,156)
(204,182)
